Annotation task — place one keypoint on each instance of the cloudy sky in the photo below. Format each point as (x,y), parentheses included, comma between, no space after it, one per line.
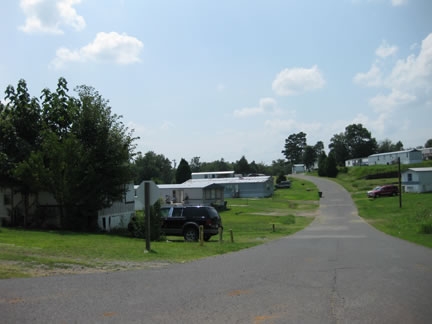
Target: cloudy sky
(223,79)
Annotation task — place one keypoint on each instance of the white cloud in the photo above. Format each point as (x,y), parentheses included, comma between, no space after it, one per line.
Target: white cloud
(398,2)
(385,103)
(266,105)
(372,78)
(394,3)
(414,72)
(297,80)
(386,50)
(106,48)
(220,87)
(409,80)
(48,16)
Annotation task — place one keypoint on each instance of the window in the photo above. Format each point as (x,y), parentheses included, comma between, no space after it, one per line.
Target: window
(409,176)
(177,212)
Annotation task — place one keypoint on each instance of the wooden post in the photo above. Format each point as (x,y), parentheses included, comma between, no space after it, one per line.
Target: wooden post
(220,234)
(274,227)
(231,235)
(147,214)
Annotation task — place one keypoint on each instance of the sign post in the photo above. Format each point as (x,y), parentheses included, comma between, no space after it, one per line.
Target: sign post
(147,213)
(147,194)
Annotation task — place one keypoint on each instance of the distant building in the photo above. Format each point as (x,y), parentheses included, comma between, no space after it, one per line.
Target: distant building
(417,180)
(298,168)
(357,162)
(427,153)
(406,157)
(213,175)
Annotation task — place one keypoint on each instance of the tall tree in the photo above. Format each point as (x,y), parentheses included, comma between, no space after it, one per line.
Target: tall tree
(75,148)
(428,143)
(183,172)
(242,166)
(21,124)
(331,166)
(322,164)
(195,164)
(339,148)
(154,167)
(279,166)
(309,157)
(318,148)
(360,142)
(387,145)
(294,147)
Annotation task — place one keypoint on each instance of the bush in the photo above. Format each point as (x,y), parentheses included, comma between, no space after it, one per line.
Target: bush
(137,226)
(281,178)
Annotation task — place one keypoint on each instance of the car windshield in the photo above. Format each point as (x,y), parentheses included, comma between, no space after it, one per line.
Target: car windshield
(377,188)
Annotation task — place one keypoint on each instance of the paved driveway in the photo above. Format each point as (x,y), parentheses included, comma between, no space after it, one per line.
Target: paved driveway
(338,270)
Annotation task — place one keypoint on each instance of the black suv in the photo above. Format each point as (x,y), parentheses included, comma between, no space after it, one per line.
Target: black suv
(186,220)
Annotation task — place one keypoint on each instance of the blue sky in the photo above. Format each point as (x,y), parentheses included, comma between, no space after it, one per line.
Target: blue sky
(223,79)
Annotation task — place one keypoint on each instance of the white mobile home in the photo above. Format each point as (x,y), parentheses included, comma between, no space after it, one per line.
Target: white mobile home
(242,187)
(406,157)
(357,162)
(213,175)
(417,180)
(298,168)
(199,192)
(120,212)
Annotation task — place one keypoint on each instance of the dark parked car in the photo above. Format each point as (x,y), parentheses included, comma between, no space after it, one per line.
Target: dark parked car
(186,220)
(387,190)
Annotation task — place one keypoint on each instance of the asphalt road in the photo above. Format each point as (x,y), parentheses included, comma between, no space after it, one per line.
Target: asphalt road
(338,270)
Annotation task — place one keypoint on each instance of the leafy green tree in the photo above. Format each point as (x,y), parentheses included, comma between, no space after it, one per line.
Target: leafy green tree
(195,164)
(331,166)
(428,143)
(107,150)
(154,167)
(359,141)
(21,127)
(294,147)
(280,166)
(218,165)
(322,164)
(183,172)
(387,145)
(309,157)
(242,166)
(280,178)
(73,148)
(339,148)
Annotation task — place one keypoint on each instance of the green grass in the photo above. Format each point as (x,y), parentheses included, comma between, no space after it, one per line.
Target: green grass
(27,253)
(412,222)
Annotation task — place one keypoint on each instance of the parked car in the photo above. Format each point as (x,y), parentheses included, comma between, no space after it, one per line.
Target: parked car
(186,220)
(387,190)
(284,184)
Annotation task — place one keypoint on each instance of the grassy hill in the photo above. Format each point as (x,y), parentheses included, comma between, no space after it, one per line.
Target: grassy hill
(412,221)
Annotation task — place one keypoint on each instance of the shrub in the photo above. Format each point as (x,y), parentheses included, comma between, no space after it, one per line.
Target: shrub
(137,226)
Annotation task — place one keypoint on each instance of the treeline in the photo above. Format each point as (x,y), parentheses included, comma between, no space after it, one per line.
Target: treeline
(71,147)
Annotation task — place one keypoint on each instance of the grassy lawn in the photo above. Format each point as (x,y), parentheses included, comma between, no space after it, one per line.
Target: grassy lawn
(412,222)
(26,253)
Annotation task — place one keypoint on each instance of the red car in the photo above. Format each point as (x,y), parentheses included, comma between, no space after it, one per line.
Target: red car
(387,190)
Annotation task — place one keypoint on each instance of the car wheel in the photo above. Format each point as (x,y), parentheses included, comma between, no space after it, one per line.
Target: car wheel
(190,234)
